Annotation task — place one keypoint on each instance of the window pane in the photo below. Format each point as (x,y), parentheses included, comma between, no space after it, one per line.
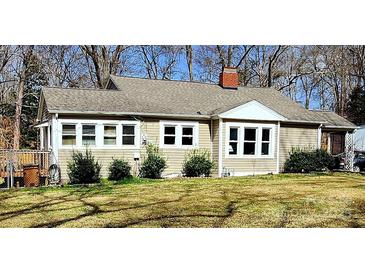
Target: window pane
(110,130)
(110,141)
(265,134)
(68,140)
(233,134)
(88,129)
(170,130)
(233,148)
(187,131)
(187,141)
(265,149)
(169,140)
(69,129)
(128,130)
(88,140)
(249,148)
(250,134)
(128,140)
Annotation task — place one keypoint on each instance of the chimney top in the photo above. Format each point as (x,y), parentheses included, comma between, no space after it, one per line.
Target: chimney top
(229,78)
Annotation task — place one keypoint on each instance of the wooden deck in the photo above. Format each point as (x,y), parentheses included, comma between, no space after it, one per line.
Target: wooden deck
(23,157)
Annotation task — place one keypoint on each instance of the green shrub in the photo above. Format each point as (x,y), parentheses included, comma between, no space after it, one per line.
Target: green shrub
(119,169)
(153,166)
(197,163)
(308,160)
(83,169)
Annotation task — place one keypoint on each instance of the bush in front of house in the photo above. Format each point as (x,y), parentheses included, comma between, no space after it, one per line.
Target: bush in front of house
(309,160)
(119,169)
(83,168)
(197,163)
(154,164)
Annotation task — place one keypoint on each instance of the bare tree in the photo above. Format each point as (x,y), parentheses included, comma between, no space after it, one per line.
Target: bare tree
(159,62)
(189,60)
(102,61)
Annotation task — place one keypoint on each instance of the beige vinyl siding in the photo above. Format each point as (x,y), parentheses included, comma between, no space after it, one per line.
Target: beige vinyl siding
(104,157)
(249,166)
(175,156)
(150,130)
(294,136)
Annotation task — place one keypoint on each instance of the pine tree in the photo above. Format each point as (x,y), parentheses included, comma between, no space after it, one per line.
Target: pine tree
(356,106)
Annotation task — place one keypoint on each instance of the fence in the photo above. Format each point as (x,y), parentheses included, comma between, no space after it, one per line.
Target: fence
(12,161)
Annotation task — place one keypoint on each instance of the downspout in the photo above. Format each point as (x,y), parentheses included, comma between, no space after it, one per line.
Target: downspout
(211,139)
(220,148)
(278,149)
(319,135)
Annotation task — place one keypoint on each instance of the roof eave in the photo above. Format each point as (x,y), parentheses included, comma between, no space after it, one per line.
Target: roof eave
(111,113)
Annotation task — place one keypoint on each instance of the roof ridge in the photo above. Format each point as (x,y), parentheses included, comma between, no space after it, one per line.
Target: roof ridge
(94,89)
(190,82)
(164,80)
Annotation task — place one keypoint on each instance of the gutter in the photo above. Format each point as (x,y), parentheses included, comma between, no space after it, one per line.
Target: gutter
(203,117)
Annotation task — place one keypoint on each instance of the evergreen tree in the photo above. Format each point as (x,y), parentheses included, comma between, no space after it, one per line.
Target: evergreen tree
(356,106)
(35,79)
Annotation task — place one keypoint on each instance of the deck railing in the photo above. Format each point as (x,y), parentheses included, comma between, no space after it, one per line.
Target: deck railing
(20,157)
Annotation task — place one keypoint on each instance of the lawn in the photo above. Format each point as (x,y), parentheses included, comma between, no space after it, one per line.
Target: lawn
(336,200)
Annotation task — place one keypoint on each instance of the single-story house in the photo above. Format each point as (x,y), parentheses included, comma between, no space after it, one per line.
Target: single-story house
(247,130)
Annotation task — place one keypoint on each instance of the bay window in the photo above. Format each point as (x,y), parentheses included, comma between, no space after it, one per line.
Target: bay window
(249,140)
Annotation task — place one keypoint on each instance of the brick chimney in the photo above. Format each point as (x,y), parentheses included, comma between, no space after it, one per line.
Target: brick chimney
(229,78)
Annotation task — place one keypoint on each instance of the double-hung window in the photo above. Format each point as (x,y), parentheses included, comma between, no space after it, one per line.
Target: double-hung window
(233,141)
(88,135)
(249,142)
(169,137)
(265,141)
(187,137)
(128,135)
(68,135)
(110,135)
(178,134)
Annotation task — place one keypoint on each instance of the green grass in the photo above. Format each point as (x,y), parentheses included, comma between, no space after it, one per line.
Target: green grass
(287,200)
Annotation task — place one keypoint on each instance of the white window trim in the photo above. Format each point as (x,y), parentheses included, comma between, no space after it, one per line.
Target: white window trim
(99,132)
(178,134)
(61,135)
(107,135)
(259,127)
(82,134)
(238,141)
(135,135)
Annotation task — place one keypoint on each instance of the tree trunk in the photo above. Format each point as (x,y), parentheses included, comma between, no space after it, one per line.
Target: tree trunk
(189,60)
(18,109)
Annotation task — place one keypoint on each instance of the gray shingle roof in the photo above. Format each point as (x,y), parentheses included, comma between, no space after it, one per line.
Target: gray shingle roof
(136,95)
(333,119)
